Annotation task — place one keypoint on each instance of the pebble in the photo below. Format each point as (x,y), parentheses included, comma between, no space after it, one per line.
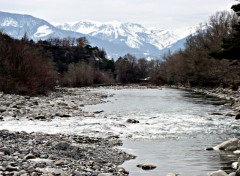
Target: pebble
(73,154)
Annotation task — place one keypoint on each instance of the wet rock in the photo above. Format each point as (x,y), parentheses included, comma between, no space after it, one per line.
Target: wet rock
(98,112)
(132,121)
(209,148)
(237,117)
(218,173)
(145,166)
(224,145)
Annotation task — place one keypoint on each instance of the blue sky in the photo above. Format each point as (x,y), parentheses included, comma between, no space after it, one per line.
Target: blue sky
(150,13)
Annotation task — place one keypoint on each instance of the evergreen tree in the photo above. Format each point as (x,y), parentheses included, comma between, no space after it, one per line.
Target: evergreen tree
(231,46)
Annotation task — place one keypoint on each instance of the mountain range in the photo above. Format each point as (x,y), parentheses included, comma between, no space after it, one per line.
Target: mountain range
(116,38)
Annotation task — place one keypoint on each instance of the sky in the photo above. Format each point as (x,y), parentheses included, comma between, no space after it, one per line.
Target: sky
(164,14)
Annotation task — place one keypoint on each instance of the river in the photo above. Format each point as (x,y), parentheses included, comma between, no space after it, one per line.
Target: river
(174,129)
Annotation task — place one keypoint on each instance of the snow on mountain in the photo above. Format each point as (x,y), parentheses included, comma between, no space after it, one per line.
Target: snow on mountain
(116,38)
(150,41)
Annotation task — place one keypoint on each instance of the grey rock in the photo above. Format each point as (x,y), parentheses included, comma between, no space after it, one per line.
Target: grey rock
(10,168)
(218,173)
(62,146)
(29,156)
(232,174)
(59,162)
(145,166)
(224,145)
(237,117)
(105,174)
(231,148)
(132,121)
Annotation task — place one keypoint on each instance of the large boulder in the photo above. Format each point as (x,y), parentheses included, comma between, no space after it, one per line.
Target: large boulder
(227,144)
(218,173)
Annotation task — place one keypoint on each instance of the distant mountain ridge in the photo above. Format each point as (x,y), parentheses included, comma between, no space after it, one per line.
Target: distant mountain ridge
(116,38)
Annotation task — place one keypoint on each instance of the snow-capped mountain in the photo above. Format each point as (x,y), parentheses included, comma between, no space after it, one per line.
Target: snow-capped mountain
(116,38)
(133,35)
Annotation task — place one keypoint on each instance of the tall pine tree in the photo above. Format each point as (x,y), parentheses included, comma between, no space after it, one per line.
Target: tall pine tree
(231,46)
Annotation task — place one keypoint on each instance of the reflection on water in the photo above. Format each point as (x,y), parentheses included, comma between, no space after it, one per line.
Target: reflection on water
(175,128)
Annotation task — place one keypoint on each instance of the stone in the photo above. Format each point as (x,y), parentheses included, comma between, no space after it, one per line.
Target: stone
(10,168)
(105,174)
(53,171)
(2,168)
(2,109)
(29,156)
(77,173)
(62,146)
(231,148)
(232,174)
(235,165)
(218,173)
(237,152)
(132,121)
(40,117)
(237,117)
(59,162)
(209,148)
(145,166)
(41,160)
(224,145)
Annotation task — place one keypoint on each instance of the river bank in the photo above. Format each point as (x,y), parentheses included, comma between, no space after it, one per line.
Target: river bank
(41,153)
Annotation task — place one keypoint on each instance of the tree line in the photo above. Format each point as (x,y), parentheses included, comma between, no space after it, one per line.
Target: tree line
(28,67)
(210,58)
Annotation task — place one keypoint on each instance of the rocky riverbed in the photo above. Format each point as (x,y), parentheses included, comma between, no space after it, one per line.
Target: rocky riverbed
(35,154)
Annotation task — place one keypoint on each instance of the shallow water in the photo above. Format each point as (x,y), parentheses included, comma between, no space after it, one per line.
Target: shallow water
(175,128)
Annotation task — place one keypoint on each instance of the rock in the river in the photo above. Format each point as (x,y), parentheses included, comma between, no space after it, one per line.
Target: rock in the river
(132,121)
(237,117)
(145,166)
(235,165)
(218,173)
(226,144)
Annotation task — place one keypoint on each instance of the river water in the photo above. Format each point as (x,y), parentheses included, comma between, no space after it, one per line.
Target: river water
(174,129)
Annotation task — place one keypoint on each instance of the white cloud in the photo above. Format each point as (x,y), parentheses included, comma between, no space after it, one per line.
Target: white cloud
(160,13)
